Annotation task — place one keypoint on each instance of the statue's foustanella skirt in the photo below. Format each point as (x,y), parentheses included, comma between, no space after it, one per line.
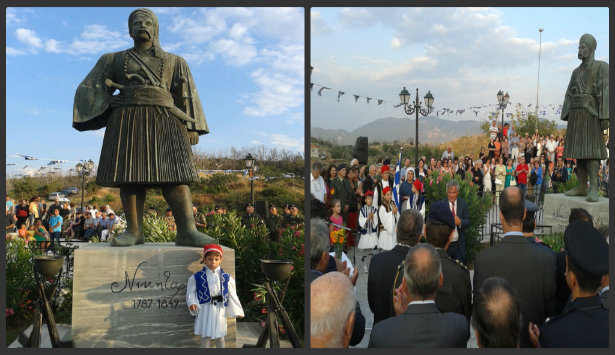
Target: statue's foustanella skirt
(145,145)
(584,137)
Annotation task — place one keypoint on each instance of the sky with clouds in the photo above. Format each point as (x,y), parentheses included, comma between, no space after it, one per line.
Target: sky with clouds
(462,55)
(248,65)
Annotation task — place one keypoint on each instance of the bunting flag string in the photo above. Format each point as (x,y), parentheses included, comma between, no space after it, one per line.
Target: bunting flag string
(492,109)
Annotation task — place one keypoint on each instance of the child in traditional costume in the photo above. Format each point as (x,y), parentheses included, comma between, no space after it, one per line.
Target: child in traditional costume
(211,297)
(368,226)
(388,215)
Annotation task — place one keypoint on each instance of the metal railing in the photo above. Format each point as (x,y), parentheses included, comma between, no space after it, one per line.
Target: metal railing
(493,226)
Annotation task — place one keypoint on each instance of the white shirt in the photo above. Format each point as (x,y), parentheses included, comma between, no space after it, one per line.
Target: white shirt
(455,232)
(318,188)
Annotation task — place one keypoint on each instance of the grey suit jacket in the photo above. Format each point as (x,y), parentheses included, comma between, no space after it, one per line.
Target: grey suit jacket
(421,326)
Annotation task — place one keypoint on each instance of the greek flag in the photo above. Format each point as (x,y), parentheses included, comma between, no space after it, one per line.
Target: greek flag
(397,178)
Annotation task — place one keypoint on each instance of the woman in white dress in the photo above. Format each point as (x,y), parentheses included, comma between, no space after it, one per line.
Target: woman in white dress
(487,176)
(213,298)
(388,214)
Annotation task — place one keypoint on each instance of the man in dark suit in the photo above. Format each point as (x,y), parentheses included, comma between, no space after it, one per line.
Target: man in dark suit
(528,269)
(455,295)
(383,267)
(422,325)
(459,208)
(584,323)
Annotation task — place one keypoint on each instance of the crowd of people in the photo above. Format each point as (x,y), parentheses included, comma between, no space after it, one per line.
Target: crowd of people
(362,198)
(48,223)
(523,294)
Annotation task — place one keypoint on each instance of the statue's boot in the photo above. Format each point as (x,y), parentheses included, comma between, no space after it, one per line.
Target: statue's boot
(179,199)
(592,171)
(133,200)
(581,188)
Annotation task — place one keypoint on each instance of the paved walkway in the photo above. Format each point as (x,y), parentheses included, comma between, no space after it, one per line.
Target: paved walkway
(361,296)
(247,333)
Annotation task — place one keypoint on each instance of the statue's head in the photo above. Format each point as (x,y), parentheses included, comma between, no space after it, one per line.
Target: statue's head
(587,47)
(143,26)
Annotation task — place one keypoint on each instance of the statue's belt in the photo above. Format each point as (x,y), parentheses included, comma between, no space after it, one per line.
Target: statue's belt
(584,101)
(144,95)
(148,95)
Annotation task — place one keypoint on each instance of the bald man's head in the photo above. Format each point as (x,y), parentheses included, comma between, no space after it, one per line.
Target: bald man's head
(497,314)
(512,205)
(332,305)
(422,271)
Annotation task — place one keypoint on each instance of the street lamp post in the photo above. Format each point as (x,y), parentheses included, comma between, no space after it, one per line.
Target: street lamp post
(84,169)
(538,80)
(250,166)
(503,102)
(416,107)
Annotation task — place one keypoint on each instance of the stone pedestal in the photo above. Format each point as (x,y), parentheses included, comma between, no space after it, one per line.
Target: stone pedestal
(557,210)
(131,297)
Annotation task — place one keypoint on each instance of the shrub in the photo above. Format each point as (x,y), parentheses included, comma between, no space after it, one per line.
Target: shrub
(20,282)
(156,230)
(217,183)
(555,241)
(279,194)
(435,190)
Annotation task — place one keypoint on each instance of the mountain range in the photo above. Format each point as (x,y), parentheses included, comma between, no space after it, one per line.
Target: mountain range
(431,129)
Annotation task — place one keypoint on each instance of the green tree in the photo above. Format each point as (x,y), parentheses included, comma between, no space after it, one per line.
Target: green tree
(24,188)
(531,122)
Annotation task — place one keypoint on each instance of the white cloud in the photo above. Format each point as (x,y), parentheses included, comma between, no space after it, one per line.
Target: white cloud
(12,17)
(198,29)
(395,42)
(284,141)
(289,58)
(278,93)
(238,31)
(236,53)
(28,37)
(10,51)
(318,26)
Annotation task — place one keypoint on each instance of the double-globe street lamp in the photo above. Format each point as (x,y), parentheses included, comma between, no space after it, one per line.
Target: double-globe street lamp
(250,166)
(416,107)
(503,102)
(84,169)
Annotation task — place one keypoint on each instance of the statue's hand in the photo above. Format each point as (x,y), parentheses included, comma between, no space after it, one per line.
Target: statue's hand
(193,137)
(604,124)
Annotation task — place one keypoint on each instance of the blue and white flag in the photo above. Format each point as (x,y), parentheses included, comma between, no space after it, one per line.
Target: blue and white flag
(397,179)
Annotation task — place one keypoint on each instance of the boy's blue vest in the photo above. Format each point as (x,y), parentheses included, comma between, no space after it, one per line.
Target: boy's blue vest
(202,289)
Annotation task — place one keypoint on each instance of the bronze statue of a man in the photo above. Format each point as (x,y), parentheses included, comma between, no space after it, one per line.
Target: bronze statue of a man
(150,125)
(586,108)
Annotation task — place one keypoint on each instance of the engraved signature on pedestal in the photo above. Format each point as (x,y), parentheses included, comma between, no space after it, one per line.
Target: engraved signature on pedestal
(162,283)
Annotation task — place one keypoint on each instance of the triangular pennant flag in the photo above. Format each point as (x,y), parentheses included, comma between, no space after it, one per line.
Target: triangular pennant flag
(398,105)
(311,86)
(368,99)
(339,94)
(356,98)
(321,89)
(380,102)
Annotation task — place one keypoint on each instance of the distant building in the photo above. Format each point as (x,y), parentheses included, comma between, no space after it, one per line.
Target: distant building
(314,150)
